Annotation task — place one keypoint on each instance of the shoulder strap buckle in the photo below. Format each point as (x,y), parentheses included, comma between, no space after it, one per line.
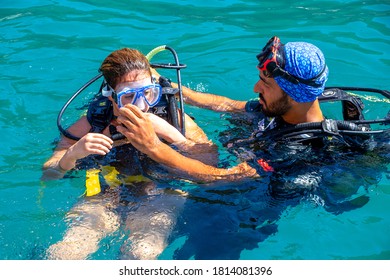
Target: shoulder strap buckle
(330,127)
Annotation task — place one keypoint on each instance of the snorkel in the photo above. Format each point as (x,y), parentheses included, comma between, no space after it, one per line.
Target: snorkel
(177,66)
(105,90)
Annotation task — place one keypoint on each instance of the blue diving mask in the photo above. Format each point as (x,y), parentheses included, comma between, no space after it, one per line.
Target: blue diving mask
(150,94)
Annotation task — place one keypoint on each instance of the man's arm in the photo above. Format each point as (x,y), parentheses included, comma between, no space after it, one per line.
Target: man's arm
(208,100)
(212,101)
(139,131)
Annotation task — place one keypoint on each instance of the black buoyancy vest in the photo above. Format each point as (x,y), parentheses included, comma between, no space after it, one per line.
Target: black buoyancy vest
(352,106)
(352,110)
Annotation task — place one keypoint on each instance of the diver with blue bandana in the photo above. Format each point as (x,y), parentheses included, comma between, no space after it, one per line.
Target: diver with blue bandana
(291,84)
(290,153)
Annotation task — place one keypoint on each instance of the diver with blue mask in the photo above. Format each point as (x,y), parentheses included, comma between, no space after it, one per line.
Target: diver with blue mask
(120,190)
(127,80)
(143,94)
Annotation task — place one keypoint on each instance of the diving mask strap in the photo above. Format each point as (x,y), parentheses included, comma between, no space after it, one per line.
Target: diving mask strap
(107,90)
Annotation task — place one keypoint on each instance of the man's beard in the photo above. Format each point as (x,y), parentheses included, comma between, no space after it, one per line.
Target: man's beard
(276,108)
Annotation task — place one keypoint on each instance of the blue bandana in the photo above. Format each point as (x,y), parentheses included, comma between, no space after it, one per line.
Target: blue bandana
(306,61)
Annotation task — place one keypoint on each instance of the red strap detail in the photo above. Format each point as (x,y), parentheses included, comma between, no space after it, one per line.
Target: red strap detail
(266,167)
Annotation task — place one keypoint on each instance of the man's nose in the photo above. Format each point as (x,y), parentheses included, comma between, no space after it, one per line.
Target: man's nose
(257,87)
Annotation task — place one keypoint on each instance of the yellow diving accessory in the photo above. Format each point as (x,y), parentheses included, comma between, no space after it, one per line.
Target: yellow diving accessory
(110,175)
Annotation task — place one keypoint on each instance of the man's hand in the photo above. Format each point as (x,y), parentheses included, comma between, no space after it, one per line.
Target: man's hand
(165,130)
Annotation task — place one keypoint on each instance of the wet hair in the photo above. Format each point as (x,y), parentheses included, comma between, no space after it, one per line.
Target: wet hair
(121,62)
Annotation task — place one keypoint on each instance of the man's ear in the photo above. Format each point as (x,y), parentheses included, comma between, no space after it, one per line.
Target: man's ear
(290,100)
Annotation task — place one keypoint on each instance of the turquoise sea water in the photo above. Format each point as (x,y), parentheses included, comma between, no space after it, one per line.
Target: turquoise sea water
(51,48)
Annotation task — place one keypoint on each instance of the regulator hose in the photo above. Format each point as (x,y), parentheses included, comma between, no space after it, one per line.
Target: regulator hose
(176,66)
(65,132)
(383,92)
(336,127)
